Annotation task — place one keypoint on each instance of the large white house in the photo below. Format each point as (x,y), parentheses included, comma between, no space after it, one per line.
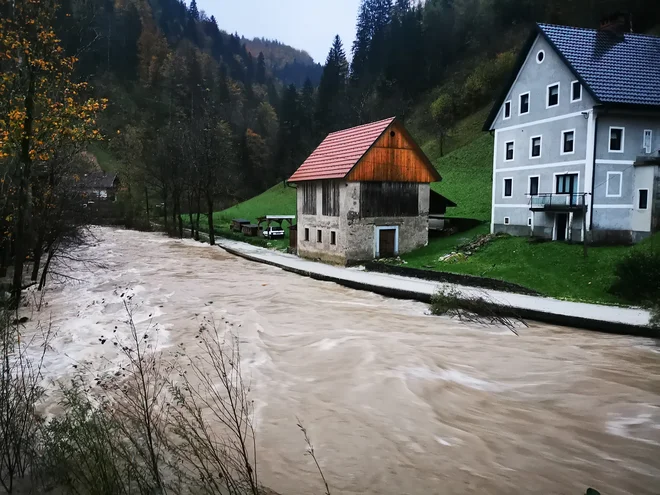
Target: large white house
(577,134)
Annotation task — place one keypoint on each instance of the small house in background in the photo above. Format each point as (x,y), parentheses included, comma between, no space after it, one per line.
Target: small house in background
(250,230)
(437,210)
(237,224)
(364,193)
(99,186)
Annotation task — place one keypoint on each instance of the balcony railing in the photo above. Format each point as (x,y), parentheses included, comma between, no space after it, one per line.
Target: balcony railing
(557,201)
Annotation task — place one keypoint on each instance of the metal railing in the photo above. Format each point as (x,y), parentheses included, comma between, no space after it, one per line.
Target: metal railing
(555,200)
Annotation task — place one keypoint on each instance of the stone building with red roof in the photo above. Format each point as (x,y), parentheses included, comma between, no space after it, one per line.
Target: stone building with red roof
(364,193)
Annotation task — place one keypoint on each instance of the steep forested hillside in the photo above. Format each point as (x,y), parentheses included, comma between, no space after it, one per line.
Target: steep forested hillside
(289,65)
(200,118)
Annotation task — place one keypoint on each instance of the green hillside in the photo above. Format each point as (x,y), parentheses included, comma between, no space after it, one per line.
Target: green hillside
(466,177)
(277,200)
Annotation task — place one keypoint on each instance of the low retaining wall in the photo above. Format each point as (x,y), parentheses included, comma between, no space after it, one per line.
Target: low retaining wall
(450,278)
(504,310)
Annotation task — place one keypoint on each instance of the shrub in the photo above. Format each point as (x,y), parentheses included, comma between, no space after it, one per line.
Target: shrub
(480,310)
(638,278)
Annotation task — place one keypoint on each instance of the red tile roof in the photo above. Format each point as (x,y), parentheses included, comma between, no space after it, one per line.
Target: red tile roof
(340,151)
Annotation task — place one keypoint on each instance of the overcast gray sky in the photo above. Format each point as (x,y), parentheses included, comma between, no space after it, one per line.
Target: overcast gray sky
(304,24)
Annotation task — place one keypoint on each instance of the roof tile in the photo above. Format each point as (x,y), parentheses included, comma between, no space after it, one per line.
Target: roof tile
(339,152)
(617,69)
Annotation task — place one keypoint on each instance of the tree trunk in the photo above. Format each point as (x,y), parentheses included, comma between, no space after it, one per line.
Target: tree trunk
(190,215)
(23,196)
(209,203)
(38,251)
(44,273)
(165,209)
(4,257)
(199,208)
(177,221)
(146,198)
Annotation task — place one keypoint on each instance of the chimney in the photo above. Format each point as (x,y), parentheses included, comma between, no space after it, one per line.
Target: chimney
(617,23)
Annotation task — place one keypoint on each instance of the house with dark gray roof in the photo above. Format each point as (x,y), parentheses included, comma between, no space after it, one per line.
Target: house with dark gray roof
(99,186)
(577,136)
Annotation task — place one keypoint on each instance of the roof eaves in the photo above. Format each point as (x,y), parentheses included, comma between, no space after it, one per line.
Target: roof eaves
(575,72)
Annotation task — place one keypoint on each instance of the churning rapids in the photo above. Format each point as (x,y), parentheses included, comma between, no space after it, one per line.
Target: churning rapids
(395,401)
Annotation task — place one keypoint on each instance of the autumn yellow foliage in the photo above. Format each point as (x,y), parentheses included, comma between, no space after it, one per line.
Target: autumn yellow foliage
(40,102)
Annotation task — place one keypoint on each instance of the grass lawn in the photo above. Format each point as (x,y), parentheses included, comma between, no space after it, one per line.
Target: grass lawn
(553,268)
(106,160)
(466,177)
(277,200)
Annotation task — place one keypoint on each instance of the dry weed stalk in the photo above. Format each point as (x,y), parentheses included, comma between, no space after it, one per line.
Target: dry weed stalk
(310,452)
(20,392)
(213,417)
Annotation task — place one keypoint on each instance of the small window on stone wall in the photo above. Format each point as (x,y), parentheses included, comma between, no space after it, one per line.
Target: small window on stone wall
(319,236)
(333,238)
(307,235)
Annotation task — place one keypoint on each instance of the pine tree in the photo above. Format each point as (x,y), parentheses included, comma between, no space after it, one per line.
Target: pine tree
(192,11)
(362,40)
(332,108)
(373,19)
(289,133)
(261,69)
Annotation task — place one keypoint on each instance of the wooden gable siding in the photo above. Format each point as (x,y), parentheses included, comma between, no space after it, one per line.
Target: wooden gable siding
(394,157)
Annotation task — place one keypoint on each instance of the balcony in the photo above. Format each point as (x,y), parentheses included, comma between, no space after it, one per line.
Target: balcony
(557,202)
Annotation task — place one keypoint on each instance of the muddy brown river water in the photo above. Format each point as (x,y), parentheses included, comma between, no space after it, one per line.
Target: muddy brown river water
(395,401)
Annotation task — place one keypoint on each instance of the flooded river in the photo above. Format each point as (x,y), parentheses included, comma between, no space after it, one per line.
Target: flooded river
(395,401)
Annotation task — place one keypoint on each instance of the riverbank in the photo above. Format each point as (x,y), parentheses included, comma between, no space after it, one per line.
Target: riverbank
(612,319)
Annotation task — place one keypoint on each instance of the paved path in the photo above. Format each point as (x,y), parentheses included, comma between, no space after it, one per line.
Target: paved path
(591,316)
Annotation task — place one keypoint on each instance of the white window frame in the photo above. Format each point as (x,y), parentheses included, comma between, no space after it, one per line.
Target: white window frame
(647,199)
(623,139)
(607,184)
(537,57)
(575,100)
(504,179)
(531,147)
(567,172)
(529,184)
(513,155)
(529,103)
(561,144)
(504,117)
(507,220)
(650,147)
(529,222)
(547,94)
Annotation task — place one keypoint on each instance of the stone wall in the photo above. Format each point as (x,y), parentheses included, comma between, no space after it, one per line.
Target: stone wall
(309,227)
(355,237)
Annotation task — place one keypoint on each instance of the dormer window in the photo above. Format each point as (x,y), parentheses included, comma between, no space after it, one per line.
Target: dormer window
(524,104)
(507,110)
(553,95)
(576,91)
